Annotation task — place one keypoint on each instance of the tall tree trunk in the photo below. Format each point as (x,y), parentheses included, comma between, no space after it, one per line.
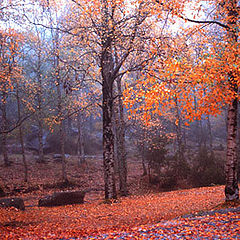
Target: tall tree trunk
(210,134)
(60,109)
(21,136)
(115,126)
(5,125)
(121,150)
(40,110)
(143,160)
(108,143)
(231,188)
(80,144)
(107,72)
(178,126)
(40,135)
(62,146)
(199,129)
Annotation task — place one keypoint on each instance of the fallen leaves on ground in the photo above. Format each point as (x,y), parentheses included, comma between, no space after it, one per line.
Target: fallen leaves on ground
(96,217)
(217,226)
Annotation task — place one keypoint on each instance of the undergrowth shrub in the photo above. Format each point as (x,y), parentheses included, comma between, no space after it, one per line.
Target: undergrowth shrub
(207,169)
(166,171)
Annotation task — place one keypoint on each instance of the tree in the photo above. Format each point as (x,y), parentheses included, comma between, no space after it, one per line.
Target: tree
(109,40)
(213,79)
(9,44)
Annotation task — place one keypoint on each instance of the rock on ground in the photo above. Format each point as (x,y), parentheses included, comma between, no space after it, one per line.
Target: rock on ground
(12,202)
(62,198)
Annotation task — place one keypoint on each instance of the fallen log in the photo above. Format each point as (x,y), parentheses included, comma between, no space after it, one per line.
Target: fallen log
(62,198)
(12,202)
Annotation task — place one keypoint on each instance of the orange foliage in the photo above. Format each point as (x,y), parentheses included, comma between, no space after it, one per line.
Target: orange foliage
(195,74)
(96,217)
(9,53)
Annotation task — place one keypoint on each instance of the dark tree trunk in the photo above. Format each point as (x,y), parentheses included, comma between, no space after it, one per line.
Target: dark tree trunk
(178,126)
(40,136)
(108,142)
(40,110)
(60,109)
(115,126)
(62,146)
(143,160)
(4,127)
(210,134)
(121,150)
(107,72)
(21,136)
(80,144)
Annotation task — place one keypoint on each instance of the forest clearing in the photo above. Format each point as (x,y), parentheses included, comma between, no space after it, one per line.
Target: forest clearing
(117,114)
(144,206)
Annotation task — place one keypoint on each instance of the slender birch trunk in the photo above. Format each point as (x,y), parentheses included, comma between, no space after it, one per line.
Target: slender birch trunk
(231,169)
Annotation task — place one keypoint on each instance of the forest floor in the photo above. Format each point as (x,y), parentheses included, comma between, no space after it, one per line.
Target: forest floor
(144,207)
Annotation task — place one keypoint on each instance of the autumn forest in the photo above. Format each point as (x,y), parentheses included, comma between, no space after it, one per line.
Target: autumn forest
(127,106)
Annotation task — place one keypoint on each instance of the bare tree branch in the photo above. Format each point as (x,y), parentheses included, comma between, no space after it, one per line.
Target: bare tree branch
(205,21)
(17,124)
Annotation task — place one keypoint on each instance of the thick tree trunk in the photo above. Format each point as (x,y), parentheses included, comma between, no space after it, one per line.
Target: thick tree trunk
(231,188)
(107,72)
(108,143)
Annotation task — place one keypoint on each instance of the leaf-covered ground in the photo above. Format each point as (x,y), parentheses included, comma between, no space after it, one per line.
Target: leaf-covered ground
(217,226)
(97,217)
(143,208)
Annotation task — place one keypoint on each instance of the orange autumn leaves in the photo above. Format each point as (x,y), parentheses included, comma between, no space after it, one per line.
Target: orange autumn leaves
(9,54)
(195,81)
(96,217)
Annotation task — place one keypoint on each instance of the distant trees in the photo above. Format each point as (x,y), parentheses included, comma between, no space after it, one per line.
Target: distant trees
(82,54)
(9,71)
(212,80)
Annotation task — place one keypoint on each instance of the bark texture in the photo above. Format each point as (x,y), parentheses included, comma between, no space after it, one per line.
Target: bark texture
(108,143)
(231,188)
(107,72)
